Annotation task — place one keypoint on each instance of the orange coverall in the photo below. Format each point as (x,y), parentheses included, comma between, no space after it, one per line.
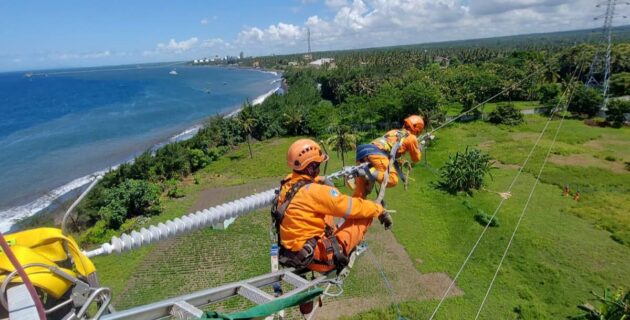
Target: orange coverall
(314,207)
(381,162)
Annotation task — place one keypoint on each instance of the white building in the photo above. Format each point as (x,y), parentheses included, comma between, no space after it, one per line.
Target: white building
(320,62)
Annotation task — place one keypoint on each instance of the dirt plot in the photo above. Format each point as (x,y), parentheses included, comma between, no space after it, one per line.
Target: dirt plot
(525,136)
(586,160)
(216,196)
(508,166)
(406,281)
(486,144)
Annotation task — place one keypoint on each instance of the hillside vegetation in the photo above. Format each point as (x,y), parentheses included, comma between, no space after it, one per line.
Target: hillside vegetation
(565,247)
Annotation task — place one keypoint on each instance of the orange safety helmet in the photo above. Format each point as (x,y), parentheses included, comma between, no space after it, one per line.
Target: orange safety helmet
(414,123)
(303,152)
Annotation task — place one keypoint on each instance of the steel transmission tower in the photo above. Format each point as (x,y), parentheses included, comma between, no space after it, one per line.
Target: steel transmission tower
(596,65)
(308,36)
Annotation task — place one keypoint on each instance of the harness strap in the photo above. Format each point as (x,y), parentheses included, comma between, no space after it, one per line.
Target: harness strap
(340,259)
(277,212)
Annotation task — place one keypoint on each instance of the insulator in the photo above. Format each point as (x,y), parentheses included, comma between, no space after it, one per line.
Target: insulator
(185,224)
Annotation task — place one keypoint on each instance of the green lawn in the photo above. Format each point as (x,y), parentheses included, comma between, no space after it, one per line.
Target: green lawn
(563,250)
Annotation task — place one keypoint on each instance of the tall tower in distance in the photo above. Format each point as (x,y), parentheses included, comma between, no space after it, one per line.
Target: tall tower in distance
(600,66)
(308,56)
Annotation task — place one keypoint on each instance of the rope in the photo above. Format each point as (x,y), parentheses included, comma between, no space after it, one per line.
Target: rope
(483,232)
(25,279)
(388,285)
(518,223)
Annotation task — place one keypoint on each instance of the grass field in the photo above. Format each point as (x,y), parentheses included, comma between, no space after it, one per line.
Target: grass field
(454,109)
(562,251)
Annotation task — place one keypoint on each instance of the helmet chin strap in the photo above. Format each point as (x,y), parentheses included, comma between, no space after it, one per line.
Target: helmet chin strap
(311,170)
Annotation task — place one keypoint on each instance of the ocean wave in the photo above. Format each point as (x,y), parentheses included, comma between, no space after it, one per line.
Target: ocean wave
(10,216)
(258,100)
(275,73)
(182,136)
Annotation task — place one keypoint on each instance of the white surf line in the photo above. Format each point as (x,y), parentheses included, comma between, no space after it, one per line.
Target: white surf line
(138,67)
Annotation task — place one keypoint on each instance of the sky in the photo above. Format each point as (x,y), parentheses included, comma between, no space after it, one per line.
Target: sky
(63,33)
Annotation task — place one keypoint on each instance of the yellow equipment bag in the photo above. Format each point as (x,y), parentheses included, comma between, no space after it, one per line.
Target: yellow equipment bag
(47,246)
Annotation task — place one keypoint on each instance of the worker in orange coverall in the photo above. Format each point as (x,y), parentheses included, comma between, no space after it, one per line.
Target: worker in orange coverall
(307,206)
(377,155)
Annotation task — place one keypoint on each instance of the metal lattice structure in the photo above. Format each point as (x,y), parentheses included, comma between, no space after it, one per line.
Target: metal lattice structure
(600,66)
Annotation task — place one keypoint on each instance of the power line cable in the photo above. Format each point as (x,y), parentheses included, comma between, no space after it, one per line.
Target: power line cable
(483,232)
(520,219)
(388,284)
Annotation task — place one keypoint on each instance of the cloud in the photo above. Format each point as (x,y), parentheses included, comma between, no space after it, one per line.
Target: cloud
(373,23)
(77,56)
(336,3)
(216,43)
(178,47)
(173,47)
(279,34)
(207,20)
(484,7)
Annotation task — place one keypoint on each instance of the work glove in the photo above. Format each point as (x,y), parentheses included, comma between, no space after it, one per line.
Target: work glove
(386,220)
(369,174)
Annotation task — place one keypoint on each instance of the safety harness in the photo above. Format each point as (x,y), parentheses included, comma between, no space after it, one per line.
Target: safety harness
(305,256)
(384,146)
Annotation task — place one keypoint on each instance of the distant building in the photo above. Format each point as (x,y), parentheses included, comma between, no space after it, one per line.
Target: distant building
(293,63)
(256,64)
(241,55)
(323,62)
(195,61)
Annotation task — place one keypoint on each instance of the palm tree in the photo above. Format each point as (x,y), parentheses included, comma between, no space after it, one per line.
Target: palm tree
(342,141)
(248,122)
(293,121)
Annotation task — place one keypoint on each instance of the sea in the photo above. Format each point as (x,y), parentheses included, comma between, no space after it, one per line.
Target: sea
(61,128)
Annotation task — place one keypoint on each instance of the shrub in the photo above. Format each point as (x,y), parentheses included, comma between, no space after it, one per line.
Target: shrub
(612,306)
(620,84)
(506,114)
(483,219)
(548,92)
(616,111)
(198,159)
(610,158)
(585,101)
(173,190)
(99,233)
(465,171)
(130,199)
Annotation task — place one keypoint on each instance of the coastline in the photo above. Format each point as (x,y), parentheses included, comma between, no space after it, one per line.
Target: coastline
(57,197)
